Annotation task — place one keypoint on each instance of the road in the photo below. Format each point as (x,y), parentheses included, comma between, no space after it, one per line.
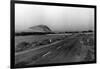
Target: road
(63,51)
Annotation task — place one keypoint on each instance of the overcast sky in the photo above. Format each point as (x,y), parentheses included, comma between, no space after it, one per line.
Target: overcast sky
(57,18)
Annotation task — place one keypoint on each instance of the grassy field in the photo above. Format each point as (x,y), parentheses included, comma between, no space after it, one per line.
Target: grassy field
(45,49)
(36,40)
(33,38)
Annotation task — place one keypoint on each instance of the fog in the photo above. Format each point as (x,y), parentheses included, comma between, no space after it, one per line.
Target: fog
(57,18)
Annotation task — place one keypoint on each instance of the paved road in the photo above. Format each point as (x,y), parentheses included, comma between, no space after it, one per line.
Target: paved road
(67,50)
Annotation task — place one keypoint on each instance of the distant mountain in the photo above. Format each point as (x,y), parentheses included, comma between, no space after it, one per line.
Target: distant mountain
(43,29)
(40,28)
(36,30)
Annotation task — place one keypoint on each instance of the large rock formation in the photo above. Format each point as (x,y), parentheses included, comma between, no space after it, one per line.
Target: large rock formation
(40,28)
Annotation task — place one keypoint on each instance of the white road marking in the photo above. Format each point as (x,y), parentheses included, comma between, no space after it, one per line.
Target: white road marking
(58,47)
(46,54)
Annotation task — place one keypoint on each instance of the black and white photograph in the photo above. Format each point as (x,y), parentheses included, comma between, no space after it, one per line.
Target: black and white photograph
(53,34)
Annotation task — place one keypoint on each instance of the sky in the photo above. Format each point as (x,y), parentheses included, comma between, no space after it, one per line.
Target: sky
(57,18)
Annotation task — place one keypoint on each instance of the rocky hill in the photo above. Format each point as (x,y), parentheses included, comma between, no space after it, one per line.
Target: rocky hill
(40,28)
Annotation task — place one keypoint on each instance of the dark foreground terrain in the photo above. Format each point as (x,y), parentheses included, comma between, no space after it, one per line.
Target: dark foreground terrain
(54,49)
